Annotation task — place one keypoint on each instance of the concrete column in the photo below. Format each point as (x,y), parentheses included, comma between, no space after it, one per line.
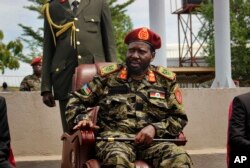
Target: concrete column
(223,76)
(157,21)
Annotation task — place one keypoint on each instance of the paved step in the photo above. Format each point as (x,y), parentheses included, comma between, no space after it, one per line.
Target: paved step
(216,160)
(39,164)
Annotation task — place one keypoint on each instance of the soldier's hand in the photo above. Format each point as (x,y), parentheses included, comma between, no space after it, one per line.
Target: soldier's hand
(48,99)
(146,135)
(24,87)
(85,124)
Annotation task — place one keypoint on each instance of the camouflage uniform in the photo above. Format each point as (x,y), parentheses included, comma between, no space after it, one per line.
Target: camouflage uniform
(127,106)
(30,83)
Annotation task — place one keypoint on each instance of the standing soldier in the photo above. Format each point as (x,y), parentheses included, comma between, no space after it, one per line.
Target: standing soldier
(75,32)
(137,100)
(33,82)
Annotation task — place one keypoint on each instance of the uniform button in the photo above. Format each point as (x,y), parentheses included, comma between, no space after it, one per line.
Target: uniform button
(76,19)
(79,56)
(77,30)
(92,20)
(78,43)
(57,69)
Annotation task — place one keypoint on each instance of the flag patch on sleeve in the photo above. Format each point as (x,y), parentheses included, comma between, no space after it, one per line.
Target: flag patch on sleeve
(86,90)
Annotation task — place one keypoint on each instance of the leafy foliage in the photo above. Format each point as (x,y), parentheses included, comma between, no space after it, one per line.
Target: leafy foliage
(33,38)
(121,23)
(240,38)
(9,53)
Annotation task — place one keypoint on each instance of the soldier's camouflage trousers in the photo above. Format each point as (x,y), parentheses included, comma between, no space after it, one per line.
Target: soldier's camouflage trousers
(160,155)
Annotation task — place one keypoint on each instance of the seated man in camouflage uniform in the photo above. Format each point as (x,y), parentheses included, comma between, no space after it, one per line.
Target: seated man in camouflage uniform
(137,100)
(33,82)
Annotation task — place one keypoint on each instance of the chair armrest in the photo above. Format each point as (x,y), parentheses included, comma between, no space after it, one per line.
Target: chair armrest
(88,137)
(77,148)
(182,138)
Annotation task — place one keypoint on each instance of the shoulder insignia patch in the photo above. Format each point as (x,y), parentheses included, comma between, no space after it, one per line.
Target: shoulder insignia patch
(178,96)
(165,72)
(106,70)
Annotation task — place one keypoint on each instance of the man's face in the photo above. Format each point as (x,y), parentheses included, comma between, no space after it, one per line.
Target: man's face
(138,57)
(37,68)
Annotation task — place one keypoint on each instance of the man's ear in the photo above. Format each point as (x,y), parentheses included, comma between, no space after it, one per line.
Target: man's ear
(153,56)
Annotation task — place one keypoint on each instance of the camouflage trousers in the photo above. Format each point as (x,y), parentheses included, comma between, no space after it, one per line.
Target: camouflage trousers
(160,155)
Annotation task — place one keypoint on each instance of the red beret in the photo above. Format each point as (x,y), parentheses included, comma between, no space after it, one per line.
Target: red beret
(36,60)
(144,34)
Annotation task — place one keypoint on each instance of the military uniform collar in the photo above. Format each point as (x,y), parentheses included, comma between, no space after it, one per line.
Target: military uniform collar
(123,74)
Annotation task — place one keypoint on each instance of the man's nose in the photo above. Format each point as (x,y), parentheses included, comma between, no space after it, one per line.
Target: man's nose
(135,54)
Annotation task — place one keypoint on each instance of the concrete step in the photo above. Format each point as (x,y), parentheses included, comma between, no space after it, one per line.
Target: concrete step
(39,164)
(38,161)
(209,160)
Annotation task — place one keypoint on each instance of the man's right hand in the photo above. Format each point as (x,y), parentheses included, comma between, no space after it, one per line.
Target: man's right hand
(85,124)
(48,99)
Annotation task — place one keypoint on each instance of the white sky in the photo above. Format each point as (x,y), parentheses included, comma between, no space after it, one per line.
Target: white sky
(12,13)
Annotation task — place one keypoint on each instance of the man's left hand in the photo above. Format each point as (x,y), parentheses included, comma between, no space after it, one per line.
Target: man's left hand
(146,135)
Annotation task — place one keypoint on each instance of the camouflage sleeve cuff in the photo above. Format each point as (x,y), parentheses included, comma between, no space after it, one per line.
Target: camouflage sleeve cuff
(159,132)
(81,117)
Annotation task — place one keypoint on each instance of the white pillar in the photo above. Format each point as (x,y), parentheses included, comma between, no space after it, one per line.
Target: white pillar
(157,21)
(223,76)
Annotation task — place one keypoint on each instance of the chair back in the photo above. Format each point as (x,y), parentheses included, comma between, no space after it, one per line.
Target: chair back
(84,73)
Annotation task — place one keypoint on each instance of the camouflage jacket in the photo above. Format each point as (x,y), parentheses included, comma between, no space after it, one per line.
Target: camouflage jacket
(30,83)
(126,106)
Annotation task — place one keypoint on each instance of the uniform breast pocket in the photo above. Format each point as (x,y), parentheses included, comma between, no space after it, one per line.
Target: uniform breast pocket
(117,108)
(92,23)
(31,82)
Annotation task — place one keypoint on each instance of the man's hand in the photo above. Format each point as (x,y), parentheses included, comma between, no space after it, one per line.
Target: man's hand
(85,124)
(146,135)
(24,87)
(48,99)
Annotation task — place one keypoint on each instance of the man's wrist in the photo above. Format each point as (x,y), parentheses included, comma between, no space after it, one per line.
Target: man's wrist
(154,128)
(45,92)
(80,117)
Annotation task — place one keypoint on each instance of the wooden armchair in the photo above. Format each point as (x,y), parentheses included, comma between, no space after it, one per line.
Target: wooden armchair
(78,148)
